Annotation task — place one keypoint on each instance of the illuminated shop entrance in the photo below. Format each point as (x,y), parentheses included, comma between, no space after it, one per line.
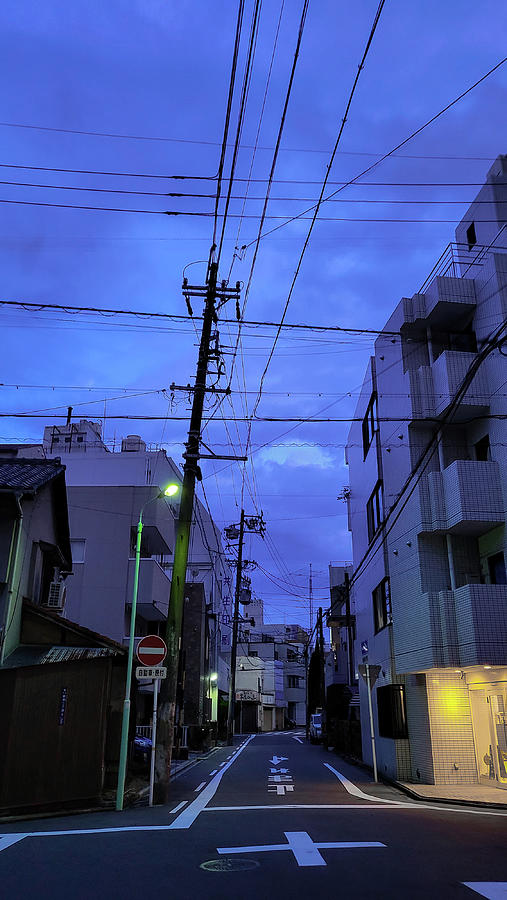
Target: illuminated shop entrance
(489,709)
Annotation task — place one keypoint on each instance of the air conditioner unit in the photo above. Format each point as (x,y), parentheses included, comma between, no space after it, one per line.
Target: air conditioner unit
(56,595)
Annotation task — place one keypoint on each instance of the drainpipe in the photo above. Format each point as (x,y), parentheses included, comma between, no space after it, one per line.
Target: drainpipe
(448,537)
(12,570)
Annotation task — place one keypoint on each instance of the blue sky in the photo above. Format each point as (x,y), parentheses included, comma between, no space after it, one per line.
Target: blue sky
(160,70)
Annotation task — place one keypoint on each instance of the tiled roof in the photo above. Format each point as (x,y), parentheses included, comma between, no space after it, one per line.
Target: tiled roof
(27,474)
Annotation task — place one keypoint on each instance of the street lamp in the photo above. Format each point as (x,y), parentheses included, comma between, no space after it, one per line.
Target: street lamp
(169,491)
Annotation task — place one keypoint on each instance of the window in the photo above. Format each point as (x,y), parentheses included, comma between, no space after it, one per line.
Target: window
(67,440)
(375,511)
(370,423)
(471,235)
(80,438)
(78,550)
(56,440)
(293,681)
(291,655)
(496,565)
(482,451)
(382,605)
(392,712)
(253,653)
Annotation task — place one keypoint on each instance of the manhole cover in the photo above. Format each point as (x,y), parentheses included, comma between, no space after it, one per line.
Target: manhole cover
(226,864)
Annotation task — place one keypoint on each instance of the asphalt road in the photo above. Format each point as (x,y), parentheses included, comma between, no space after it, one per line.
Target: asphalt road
(272,817)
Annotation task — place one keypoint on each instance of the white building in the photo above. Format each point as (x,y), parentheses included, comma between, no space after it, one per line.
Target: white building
(427,511)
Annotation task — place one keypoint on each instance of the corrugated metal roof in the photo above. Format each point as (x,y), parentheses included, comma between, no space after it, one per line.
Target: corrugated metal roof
(27,474)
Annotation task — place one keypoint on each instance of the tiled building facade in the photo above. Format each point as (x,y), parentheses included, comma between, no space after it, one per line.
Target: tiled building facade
(427,511)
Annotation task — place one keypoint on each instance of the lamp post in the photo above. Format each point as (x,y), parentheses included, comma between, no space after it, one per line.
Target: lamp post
(169,491)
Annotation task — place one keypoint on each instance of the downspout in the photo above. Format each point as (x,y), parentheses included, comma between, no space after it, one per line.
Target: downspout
(12,569)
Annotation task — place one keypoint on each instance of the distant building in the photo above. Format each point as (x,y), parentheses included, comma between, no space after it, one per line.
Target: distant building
(280,648)
(427,511)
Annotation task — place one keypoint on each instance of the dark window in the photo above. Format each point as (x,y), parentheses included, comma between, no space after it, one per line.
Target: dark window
(293,681)
(67,440)
(370,423)
(471,235)
(496,565)
(482,451)
(56,440)
(80,439)
(374,511)
(253,653)
(382,605)
(392,713)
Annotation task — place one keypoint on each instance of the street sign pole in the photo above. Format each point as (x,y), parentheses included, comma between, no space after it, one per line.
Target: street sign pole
(372,730)
(153,738)
(370,675)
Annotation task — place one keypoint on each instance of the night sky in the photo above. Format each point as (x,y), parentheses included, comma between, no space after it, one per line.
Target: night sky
(154,76)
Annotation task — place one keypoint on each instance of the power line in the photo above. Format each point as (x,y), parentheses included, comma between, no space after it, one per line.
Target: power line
(202,142)
(160,176)
(401,144)
(319,202)
(208,215)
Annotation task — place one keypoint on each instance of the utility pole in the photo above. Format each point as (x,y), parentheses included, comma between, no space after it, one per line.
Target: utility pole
(235,624)
(310,592)
(191,472)
(254,524)
(348,624)
(322,676)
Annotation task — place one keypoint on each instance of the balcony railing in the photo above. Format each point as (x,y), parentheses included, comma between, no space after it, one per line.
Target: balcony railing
(466,498)
(153,589)
(458,261)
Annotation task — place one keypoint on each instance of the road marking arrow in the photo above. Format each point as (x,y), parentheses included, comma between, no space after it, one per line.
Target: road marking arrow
(278,759)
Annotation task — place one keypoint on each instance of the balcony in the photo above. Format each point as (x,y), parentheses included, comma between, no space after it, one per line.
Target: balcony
(153,590)
(466,498)
(481,624)
(449,370)
(465,627)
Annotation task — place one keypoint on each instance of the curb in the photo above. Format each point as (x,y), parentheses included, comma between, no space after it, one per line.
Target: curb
(410,792)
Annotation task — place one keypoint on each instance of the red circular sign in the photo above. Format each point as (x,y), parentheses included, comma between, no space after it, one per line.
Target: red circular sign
(151,650)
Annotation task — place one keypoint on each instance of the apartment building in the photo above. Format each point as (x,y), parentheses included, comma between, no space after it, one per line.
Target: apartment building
(273,654)
(427,511)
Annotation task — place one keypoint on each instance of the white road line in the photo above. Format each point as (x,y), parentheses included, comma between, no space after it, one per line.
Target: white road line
(294,738)
(355,791)
(229,756)
(225,761)
(492,890)
(178,807)
(199,787)
(7,840)
(415,807)
(214,772)
(189,815)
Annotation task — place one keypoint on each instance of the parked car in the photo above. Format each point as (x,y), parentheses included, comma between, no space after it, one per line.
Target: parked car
(141,752)
(316,728)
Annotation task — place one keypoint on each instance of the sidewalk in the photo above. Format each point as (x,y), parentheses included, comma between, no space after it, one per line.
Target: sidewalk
(466,794)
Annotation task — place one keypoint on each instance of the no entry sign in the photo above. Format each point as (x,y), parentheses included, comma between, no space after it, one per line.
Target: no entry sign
(151,650)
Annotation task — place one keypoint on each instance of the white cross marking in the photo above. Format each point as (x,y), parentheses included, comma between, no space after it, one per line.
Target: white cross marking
(492,890)
(279,771)
(305,851)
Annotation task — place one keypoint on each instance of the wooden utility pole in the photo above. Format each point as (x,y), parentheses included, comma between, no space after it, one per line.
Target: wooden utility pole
(235,625)
(255,525)
(348,623)
(191,472)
